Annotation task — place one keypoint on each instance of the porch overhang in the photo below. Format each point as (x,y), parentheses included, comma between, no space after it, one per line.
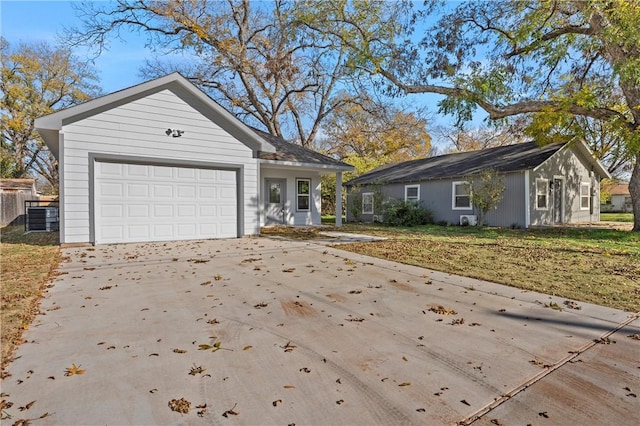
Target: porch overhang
(320,168)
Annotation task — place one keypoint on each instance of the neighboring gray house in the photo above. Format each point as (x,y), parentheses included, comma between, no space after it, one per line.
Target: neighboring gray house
(557,183)
(162,161)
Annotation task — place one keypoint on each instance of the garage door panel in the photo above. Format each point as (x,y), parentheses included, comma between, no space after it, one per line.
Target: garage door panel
(155,203)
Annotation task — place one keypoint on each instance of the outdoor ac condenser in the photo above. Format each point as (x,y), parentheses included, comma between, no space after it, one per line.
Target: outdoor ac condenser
(42,219)
(468,220)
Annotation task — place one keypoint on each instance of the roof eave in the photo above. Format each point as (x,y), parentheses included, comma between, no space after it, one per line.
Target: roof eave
(298,164)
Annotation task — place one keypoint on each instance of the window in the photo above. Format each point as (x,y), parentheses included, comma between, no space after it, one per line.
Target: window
(585,196)
(542,194)
(274,193)
(367,203)
(412,193)
(303,195)
(461,196)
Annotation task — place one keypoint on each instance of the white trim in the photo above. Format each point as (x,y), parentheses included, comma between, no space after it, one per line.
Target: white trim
(299,194)
(338,199)
(326,168)
(546,194)
(527,199)
(588,196)
(372,208)
(453,195)
(407,187)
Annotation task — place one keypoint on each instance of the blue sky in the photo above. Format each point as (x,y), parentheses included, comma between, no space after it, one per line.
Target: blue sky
(32,21)
(118,68)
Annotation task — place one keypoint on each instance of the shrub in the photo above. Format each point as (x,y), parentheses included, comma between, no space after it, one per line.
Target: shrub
(405,213)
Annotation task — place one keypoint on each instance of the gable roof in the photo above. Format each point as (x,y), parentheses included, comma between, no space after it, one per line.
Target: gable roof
(290,152)
(504,159)
(50,125)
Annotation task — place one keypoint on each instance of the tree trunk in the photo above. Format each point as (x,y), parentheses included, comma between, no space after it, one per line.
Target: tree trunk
(634,190)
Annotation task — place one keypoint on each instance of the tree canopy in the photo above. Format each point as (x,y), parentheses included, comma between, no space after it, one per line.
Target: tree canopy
(36,79)
(552,61)
(261,60)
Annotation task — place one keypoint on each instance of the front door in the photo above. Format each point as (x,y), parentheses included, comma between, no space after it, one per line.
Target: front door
(557,201)
(275,209)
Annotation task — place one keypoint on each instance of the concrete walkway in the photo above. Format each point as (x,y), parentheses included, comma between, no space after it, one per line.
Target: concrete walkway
(262,331)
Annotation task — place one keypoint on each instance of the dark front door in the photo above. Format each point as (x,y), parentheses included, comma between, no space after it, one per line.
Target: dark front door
(275,201)
(557,201)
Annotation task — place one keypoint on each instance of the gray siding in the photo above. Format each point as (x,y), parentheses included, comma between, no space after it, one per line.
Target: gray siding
(568,166)
(437,196)
(292,216)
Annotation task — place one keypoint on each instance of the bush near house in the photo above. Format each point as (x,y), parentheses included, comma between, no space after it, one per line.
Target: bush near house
(405,213)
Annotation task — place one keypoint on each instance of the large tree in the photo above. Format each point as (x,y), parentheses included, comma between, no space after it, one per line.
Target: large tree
(551,60)
(36,79)
(259,59)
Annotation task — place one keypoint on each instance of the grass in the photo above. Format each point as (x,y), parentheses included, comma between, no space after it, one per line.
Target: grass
(616,217)
(28,264)
(600,266)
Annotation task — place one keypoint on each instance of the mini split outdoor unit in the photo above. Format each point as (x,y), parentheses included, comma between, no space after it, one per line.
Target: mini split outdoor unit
(468,220)
(42,219)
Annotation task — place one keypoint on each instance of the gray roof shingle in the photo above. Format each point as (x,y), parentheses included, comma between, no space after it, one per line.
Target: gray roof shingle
(287,151)
(502,159)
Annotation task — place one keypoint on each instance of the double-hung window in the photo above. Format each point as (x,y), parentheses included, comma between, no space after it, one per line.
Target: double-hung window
(303,194)
(542,194)
(461,196)
(412,193)
(367,203)
(585,196)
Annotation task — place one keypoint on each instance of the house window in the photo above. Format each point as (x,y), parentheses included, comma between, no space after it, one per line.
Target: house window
(303,195)
(585,196)
(412,193)
(542,194)
(367,203)
(461,196)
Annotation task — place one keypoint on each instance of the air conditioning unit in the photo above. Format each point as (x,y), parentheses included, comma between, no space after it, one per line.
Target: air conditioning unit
(42,219)
(377,218)
(468,220)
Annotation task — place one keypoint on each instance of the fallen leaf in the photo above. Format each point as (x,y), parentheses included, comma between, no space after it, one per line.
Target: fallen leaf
(305,370)
(246,348)
(230,412)
(420,410)
(180,405)
(405,384)
(74,370)
(442,310)
(276,402)
(27,406)
(179,351)
(464,401)
(543,414)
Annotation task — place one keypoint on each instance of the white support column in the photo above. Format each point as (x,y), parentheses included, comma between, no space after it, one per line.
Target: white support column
(338,199)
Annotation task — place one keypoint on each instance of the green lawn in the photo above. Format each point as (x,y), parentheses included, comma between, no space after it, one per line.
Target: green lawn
(616,217)
(29,262)
(600,266)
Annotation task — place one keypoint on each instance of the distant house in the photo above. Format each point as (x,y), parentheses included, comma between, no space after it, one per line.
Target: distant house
(620,200)
(13,194)
(557,183)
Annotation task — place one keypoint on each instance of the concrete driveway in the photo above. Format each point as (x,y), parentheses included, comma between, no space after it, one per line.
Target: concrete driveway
(260,331)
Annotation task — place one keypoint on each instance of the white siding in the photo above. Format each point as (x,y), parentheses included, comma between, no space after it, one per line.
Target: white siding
(137,129)
(294,217)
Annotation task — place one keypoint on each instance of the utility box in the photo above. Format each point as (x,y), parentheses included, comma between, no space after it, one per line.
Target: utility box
(43,219)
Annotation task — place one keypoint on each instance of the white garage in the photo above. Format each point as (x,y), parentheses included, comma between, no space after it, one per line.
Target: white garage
(162,161)
(138,203)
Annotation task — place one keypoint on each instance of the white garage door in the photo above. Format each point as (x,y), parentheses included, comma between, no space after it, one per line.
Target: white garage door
(137,203)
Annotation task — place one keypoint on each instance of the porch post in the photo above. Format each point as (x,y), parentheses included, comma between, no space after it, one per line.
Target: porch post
(338,199)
